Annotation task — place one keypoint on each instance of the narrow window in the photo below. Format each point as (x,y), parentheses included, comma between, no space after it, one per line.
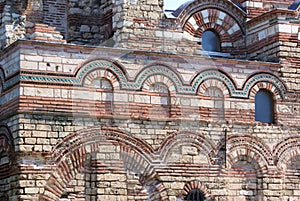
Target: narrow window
(194,195)
(210,41)
(264,107)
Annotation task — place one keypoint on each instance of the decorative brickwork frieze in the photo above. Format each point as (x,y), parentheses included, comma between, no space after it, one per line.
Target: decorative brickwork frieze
(122,101)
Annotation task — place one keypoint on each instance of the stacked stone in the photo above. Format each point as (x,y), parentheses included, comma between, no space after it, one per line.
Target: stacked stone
(97,123)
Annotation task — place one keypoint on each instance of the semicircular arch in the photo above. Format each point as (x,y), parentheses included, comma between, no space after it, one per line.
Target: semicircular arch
(266,81)
(187,138)
(216,77)
(69,156)
(192,185)
(116,71)
(225,6)
(248,146)
(285,150)
(251,147)
(172,78)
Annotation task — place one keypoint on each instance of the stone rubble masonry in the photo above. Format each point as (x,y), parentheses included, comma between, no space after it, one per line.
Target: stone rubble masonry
(113,100)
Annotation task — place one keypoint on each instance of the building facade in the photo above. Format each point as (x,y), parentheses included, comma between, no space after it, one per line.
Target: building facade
(125,100)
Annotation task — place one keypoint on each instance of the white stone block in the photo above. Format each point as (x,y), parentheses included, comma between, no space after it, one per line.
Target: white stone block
(295,29)
(204,13)
(285,28)
(206,103)
(228,44)
(222,15)
(141,99)
(120,97)
(258,4)
(219,22)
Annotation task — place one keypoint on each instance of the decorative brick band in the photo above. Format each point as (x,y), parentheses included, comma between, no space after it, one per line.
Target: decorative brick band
(118,76)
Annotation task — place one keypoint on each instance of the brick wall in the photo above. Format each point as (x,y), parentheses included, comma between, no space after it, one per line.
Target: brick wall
(70,145)
(155,118)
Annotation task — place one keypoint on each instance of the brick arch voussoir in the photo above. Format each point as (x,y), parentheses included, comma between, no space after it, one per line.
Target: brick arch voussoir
(195,185)
(159,79)
(159,71)
(101,73)
(265,81)
(187,138)
(251,147)
(235,154)
(213,77)
(155,188)
(219,29)
(213,83)
(286,150)
(68,157)
(108,69)
(225,6)
(264,86)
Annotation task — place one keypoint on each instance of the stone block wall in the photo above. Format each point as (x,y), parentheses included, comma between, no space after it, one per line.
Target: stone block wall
(98,123)
(73,141)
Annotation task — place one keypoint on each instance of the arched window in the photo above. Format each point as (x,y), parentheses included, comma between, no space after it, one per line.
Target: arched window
(264,107)
(194,195)
(210,41)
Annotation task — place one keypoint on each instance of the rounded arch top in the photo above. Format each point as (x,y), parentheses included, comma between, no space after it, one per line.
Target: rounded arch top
(248,146)
(187,138)
(224,17)
(196,185)
(226,6)
(100,67)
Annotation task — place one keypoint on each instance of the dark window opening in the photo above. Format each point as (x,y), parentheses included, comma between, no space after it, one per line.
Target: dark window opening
(194,195)
(264,107)
(211,41)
